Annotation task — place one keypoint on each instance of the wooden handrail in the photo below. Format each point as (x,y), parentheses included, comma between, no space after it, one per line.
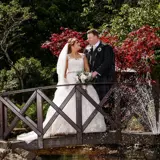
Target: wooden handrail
(56,86)
(39,96)
(22,112)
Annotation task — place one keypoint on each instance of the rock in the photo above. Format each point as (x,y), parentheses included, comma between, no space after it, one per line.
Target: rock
(25,154)
(16,154)
(13,156)
(3,153)
(6,153)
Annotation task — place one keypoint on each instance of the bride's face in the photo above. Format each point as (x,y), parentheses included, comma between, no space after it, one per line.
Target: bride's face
(77,45)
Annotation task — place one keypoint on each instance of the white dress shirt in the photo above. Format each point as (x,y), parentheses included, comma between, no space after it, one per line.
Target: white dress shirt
(96,45)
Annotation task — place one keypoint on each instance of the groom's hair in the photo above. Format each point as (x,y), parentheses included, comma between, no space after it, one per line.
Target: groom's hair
(94,32)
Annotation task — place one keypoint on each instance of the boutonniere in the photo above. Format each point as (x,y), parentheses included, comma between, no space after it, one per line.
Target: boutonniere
(99,49)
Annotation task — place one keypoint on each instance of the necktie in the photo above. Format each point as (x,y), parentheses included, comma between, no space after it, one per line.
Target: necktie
(92,57)
(92,49)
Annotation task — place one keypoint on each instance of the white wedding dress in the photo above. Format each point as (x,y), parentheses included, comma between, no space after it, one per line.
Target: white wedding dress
(60,125)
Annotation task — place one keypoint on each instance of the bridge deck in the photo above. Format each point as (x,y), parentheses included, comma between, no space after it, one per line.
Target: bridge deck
(91,139)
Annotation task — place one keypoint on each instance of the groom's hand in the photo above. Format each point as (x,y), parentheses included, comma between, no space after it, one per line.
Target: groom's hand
(94,74)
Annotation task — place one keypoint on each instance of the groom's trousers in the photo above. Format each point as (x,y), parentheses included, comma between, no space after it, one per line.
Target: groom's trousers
(102,90)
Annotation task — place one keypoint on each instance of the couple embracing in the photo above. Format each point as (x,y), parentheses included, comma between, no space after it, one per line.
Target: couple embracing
(98,59)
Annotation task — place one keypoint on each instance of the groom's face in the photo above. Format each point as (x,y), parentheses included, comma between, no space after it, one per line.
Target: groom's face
(92,39)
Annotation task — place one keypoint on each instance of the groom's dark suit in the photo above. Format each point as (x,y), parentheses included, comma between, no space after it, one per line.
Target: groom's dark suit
(102,60)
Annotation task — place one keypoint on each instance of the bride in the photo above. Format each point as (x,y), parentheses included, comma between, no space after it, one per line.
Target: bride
(70,62)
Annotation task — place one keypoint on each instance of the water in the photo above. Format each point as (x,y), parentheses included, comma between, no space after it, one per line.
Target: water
(140,102)
(80,157)
(129,154)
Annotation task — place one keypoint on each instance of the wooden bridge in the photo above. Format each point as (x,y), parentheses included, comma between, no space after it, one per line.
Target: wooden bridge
(113,136)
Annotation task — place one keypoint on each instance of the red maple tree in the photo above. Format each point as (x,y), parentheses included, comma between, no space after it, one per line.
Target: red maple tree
(58,40)
(136,52)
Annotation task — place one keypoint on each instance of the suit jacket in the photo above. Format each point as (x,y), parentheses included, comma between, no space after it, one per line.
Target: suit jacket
(102,60)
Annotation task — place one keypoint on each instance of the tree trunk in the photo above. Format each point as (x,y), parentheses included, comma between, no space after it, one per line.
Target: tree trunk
(16,70)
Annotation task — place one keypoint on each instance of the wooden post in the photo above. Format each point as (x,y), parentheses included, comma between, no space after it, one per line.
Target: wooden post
(5,119)
(118,120)
(1,120)
(40,120)
(156,97)
(79,115)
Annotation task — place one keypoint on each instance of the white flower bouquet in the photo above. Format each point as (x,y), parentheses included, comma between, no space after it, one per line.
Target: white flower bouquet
(84,77)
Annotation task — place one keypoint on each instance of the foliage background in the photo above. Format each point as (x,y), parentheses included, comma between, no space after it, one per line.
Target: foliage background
(24,64)
(43,18)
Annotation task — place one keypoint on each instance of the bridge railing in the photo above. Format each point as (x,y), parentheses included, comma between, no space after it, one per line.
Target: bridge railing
(39,96)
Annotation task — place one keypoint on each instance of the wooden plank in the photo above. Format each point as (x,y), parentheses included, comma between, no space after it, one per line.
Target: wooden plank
(100,138)
(118,119)
(15,111)
(89,119)
(57,141)
(7,132)
(5,119)
(33,89)
(61,107)
(22,112)
(55,86)
(40,120)
(79,115)
(59,111)
(105,98)
(1,120)
(69,140)
(40,142)
(128,138)
(98,108)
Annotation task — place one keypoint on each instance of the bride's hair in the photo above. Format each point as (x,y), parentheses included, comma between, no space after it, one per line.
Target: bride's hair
(71,42)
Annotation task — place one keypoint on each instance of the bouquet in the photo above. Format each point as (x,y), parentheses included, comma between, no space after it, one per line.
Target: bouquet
(84,77)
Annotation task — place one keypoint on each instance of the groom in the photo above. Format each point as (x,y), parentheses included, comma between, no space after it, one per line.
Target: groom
(101,60)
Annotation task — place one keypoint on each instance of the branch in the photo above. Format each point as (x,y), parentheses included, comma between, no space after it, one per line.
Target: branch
(4,45)
(8,30)
(1,57)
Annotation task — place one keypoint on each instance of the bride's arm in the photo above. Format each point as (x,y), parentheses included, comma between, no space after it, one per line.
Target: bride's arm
(86,65)
(65,74)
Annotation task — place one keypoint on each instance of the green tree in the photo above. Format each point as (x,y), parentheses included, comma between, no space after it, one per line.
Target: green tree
(12,16)
(51,15)
(146,12)
(98,14)
(31,72)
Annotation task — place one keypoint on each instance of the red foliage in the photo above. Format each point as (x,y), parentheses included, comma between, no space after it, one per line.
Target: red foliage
(57,41)
(138,50)
(109,39)
(135,52)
